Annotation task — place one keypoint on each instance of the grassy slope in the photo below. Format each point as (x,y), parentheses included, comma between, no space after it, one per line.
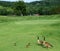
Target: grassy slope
(23,30)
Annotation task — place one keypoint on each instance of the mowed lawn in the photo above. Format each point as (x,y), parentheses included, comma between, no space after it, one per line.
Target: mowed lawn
(24,30)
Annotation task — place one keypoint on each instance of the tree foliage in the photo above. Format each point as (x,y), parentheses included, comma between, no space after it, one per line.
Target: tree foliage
(43,7)
(20,8)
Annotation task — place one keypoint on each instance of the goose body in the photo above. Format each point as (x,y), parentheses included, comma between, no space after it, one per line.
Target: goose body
(46,44)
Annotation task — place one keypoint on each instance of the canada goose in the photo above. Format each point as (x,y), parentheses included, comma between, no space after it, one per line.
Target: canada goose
(40,42)
(27,45)
(46,44)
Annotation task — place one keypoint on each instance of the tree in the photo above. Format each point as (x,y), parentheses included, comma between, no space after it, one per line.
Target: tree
(20,8)
(54,6)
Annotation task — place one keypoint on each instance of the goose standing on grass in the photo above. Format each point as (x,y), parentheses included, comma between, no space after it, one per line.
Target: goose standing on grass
(46,44)
(40,42)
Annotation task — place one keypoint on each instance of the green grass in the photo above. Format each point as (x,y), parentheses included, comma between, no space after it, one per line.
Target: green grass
(23,30)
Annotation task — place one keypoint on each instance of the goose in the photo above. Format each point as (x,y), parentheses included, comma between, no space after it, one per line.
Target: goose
(46,44)
(40,42)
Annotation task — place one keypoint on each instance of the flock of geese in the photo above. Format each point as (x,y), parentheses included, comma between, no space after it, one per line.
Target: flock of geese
(43,43)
